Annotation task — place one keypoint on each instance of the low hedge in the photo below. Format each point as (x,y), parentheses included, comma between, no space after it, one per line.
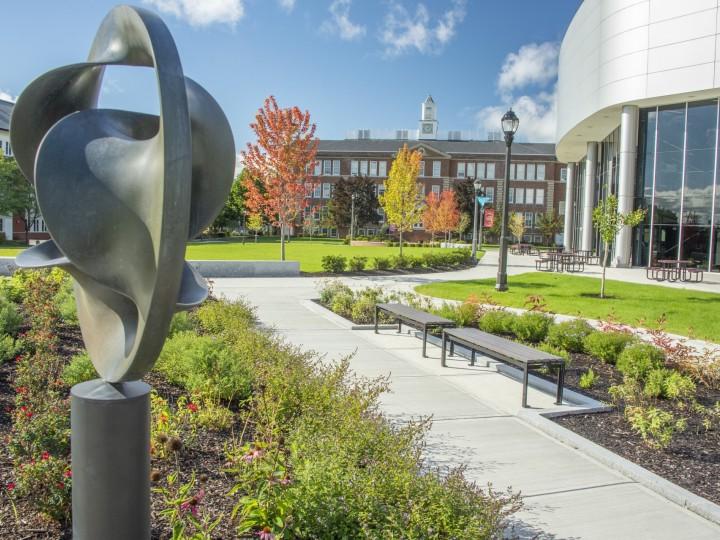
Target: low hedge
(335,264)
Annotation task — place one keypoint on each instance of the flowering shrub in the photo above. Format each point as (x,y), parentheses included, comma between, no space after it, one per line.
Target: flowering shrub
(47,482)
(79,369)
(183,508)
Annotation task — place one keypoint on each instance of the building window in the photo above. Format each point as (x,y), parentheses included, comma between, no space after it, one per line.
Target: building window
(354,167)
(317,191)
(480,168)
(336,167)
(381,189)
(561,208)
(436,169)
(417,226)
(421,172)
(461,169)
(490,173)
(318,168)
(436,190)
(326,190)
(38,225)
(512,171)
(490,193)
(327,167)
(541,171)
(520,171)
(511,196)
(471,170)
(530,169)
(529,220)
(519,196)
(563,174)
(383,168)
(529,196)
(364,168)
(539,196)
(373,168)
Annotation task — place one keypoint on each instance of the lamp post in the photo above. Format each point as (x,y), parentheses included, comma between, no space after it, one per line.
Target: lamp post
(352,216)
(510,123)
(477,189)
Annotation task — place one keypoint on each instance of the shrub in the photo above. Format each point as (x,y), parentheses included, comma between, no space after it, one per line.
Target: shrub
(357,264)
(330,289)
(669,384)
(205,365)
(465,314)
(65,300)
(333,264)
(9,348)
(10,319)
(342,304)
(363,310)
(381,263)
(47,483)
(398,262)
(638,359)
(655,426)
(225,317)
(497,322)
(588,379)
(562,353)
(37,429)
(569,335)
(79,369)
(531,327)
(182,321)
(607,346)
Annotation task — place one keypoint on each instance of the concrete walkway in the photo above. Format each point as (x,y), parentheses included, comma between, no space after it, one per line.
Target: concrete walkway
(567,494)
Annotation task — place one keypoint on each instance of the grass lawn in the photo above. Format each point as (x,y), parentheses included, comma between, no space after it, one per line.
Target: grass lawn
(688,313)
(308,251)
(11,249)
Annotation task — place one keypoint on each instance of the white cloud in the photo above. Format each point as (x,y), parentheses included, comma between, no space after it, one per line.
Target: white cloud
(340,23)
(202,12)
(532,64)
(536,113)
(5,96)
(287,5)
(403,32)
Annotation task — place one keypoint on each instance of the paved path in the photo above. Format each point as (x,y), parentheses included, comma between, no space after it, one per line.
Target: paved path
(567,495)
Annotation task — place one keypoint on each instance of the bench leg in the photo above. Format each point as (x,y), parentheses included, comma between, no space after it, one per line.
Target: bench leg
(472,358)
(425,330)
(525,387)
(376,320)
(444,346)
(560,385)
(399,327)
(452,348)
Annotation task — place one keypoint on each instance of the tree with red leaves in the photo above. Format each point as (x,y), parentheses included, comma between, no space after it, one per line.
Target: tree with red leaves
(430,215)
(279,165)
(448,214)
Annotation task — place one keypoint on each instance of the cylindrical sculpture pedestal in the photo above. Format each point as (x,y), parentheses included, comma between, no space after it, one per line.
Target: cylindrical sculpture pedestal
(110,444)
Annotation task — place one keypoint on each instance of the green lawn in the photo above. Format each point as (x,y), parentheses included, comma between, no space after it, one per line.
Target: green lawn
(308,251)
(688,313)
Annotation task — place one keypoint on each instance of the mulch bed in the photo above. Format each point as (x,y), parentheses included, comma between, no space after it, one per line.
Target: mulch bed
(205,456)
(692,460)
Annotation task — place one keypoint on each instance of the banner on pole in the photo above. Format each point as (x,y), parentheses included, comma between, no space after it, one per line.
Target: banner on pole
(489,217)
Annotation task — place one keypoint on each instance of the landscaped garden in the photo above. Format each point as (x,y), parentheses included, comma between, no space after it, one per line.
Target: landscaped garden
(665,395)
(251,437)
(679,311)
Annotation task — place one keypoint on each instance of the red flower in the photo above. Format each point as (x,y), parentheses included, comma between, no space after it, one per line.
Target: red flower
(192,407)
(67,474)
(61,485)
(45,456)
(11,486)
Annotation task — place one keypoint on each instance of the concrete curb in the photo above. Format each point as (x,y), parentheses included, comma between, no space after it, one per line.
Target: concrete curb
(644,477)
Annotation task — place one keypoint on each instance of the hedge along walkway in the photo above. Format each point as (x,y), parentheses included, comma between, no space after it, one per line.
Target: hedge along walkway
(567,495)
(687,312)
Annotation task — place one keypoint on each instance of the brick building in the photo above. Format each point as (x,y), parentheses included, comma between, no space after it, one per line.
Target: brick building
(537,179)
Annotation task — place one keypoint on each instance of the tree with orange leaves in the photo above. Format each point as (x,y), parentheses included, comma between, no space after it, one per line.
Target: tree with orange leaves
(448,214)
(430,215)
(279,165)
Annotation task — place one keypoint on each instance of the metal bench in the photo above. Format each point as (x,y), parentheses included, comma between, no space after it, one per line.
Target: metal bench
(506,351)
(422,320)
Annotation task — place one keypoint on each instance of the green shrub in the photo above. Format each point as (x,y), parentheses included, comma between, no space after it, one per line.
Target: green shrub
(562,353)
(656,427)
(638,359)
(497,322)
(569,335)
(363,310)
(9,348)
(342,304)
(225,317)
(531,327)
(65,300)
(206,365)
(380,263)
(669,384)
(330,289)
(333,264)
(79,369)
(47,482)
(357,264)
(10,318)
(607,346)
(182,321)
(588,379)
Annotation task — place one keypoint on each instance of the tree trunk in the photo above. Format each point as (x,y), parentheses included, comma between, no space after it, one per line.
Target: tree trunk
(282,242)
(604,265)
(401,242)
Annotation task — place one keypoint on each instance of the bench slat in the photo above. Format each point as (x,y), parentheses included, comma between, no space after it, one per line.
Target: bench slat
(422,317)
(501,347)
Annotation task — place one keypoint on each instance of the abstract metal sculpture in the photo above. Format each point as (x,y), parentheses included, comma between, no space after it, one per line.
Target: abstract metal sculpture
(122,192)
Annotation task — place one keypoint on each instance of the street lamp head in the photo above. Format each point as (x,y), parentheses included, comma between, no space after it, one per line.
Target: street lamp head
(510,123)
(477,184)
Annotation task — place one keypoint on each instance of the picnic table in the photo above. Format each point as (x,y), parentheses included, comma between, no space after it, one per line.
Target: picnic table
(674,270)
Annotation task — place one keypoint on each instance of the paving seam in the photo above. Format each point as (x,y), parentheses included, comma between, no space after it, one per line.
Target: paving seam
(572,490)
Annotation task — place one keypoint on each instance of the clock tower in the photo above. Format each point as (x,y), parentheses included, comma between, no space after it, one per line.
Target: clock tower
(428,120)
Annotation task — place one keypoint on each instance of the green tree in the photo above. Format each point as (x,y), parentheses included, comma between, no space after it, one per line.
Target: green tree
(549,224)
(234,208)
(402,200)
(463,224)
(255,223)
(17,196)
(465,195)
(608,221)
(516,224)
(366,202)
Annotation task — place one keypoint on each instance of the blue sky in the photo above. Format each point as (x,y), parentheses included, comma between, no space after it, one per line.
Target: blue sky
(351,63)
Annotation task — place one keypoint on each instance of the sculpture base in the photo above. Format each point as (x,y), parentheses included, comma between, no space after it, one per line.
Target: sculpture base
(110,445)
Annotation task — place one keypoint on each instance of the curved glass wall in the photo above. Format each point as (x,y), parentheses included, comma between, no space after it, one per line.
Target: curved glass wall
(677,183)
